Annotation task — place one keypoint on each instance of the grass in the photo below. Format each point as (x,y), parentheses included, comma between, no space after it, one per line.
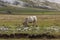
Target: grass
(31,11)
(14,21)
(46,18)
(43,20)
(29,39)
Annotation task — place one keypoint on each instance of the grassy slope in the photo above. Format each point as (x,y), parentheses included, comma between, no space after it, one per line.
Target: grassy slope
(28,10)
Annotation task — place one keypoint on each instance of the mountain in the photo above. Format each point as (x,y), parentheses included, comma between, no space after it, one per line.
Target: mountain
(42,4)
(14,3)
(45,4)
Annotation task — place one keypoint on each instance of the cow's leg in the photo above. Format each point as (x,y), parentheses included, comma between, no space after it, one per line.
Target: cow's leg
(35,24)
(25,24)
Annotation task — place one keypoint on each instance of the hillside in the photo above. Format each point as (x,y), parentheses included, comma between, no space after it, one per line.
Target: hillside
(45,4)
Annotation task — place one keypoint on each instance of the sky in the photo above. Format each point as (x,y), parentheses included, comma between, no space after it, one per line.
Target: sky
(57,1)
(11,1)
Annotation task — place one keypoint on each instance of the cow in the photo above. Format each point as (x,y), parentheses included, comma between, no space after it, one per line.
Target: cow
(30,19)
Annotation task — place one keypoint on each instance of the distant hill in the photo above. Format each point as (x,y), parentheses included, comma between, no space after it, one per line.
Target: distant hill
(45,4)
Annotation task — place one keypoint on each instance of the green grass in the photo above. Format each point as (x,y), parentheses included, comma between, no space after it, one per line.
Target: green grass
(32,11)
(13,21)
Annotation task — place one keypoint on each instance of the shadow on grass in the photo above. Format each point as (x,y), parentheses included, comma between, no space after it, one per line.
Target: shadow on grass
(20,35)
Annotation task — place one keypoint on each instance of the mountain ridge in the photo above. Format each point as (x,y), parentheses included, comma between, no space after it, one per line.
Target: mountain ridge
(33,4)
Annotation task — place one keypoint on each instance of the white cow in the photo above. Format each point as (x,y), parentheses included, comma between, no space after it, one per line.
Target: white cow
(30,19)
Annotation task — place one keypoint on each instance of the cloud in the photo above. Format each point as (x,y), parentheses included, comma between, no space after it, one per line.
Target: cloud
(57,1)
